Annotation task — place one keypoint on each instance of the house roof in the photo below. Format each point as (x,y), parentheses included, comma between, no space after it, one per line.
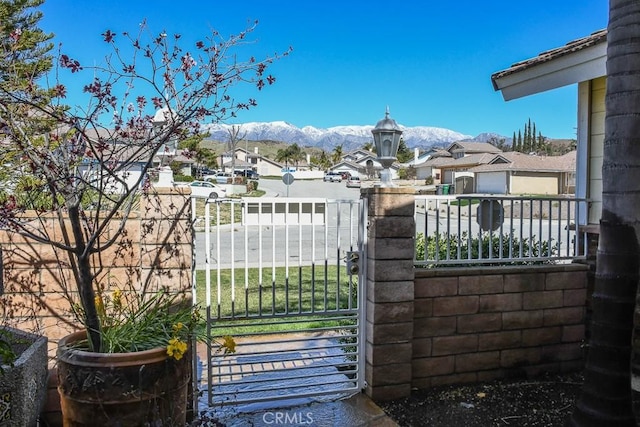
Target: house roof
(462,162)
(358,153)
(579,60)
(473,147)
(514,161)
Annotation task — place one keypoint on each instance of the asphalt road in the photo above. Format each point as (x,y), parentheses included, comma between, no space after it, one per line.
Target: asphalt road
(270,246)
(310,188)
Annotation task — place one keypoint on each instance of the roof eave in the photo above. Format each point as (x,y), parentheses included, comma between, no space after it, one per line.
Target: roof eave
(586,64)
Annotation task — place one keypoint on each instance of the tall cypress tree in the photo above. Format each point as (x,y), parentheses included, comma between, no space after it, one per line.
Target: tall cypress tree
(534,145)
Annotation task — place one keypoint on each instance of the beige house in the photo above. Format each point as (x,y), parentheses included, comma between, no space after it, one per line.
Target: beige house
(581,61)
(477,167)
(518,173)
(247,160)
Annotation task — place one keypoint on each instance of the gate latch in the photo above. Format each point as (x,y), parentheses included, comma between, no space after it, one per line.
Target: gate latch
(353,262)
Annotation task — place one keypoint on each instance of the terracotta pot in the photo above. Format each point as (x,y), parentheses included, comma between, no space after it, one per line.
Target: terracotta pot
(121,389)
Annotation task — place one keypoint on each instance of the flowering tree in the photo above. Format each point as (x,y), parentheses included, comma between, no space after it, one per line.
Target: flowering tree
(89,164)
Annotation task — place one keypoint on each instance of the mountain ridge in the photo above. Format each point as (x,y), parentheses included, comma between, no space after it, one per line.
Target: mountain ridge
(351,137)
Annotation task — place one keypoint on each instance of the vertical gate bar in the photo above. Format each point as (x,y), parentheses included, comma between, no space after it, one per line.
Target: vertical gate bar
(469,225)
(246,260)
(218,266)
(300,258)
(338,247)
(448,240)
(541,210)
(286,257)
(521,249)
(313,257)
(576,245)
(458,247)
(350,293)
(273,258)
(584,234)
(437,225)
(326,256)
(233,263)
(511,230)
(551,225)
(480,222)
(260,281)
(501,237)
(492,235)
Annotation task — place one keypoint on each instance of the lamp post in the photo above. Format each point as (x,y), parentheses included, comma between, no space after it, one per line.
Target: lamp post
(386,136)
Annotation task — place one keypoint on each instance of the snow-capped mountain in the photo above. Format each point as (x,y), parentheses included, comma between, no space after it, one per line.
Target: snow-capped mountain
(350,137)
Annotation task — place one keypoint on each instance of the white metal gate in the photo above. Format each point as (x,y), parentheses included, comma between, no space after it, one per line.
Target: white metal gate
(285,278)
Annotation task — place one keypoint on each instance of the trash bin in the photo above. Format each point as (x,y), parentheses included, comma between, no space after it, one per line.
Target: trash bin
(438,189)
(445,188)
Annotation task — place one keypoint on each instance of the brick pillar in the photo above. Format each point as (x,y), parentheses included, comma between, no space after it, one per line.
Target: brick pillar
(389,305)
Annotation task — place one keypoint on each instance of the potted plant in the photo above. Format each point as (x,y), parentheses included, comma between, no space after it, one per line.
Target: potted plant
(74,177)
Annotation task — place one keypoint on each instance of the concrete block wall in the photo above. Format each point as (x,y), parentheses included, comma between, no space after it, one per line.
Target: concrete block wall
(478,324)
(390,292)
(155,250)
(430,327)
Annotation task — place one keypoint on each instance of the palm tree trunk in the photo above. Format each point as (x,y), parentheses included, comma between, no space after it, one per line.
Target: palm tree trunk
(606,398)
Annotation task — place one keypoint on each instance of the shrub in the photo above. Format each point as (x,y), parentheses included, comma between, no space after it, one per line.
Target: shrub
(462,247)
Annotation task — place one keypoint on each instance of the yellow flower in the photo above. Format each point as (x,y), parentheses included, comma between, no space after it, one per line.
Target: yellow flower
(176,348)
(177,327)
(99,304)
(229,344)
(116,296)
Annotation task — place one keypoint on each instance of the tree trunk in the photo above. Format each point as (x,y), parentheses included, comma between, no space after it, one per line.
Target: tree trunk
(85,281)
(606,398)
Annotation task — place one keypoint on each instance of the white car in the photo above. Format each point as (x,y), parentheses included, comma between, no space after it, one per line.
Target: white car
(353,182)
(333,177)
(220,178)
(207,190)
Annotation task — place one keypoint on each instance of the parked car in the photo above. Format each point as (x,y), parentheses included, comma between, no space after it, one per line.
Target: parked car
(353,182)
(333,177)
(220,178)
(345,175)
(207,190)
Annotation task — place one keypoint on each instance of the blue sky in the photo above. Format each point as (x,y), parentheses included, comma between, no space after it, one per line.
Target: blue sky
(429,61)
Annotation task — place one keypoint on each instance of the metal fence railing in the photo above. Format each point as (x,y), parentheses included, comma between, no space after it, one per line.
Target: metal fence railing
(497,230)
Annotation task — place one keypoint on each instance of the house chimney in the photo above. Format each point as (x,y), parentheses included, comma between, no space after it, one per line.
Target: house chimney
(255,150)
